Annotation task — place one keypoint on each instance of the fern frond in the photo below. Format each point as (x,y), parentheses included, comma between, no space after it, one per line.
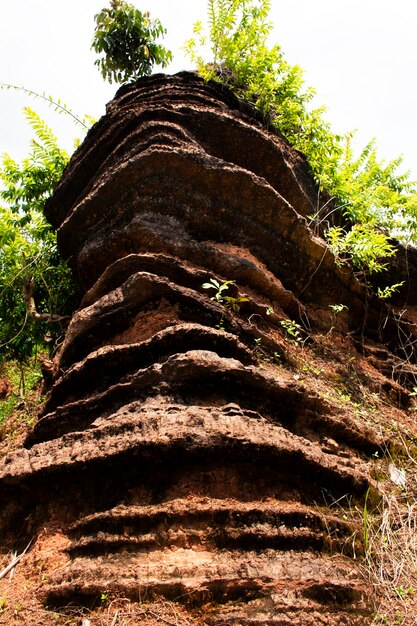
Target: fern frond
(56,105)
(42,130)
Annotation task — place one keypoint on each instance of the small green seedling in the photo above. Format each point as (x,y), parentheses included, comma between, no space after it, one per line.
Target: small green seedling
(337,308)
(229,302)
(293,330)
(402,591)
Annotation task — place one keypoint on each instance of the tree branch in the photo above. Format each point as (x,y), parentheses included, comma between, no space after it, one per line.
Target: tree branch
(50,318)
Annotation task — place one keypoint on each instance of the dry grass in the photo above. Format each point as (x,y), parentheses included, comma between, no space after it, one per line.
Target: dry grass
(122,612)
(390,561)
(118,612)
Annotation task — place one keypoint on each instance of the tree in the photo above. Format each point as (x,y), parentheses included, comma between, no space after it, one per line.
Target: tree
(36,287)
(127,39)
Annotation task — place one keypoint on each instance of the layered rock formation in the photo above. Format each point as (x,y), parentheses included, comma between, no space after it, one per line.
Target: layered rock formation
(178,450)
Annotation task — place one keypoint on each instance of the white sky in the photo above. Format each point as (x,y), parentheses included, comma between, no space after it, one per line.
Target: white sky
(360,55)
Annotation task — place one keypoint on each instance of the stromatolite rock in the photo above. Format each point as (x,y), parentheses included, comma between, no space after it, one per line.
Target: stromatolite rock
(175,463)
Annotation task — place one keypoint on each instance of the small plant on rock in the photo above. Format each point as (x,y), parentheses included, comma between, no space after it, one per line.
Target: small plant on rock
(293,330)
(388,291)
(229,302)
(336,310)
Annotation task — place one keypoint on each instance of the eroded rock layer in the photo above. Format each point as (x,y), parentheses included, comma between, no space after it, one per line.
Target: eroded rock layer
(179,454)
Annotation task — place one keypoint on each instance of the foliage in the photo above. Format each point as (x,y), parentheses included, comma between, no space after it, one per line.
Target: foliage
(369,192)
(337,308)
(28,249)
(23,378)
(7,406)
(293,330)
(367,247)
(238,34)
(387,292)
(230,302)
(26,186)
(126,38)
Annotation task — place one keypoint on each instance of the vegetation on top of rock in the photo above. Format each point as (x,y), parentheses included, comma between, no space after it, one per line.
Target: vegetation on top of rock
(369,192)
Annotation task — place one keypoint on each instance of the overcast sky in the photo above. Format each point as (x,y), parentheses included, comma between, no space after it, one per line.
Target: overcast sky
(360,55)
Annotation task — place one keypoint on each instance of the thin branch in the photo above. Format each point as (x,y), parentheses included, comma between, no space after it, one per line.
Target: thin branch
(14,561)
(49,99)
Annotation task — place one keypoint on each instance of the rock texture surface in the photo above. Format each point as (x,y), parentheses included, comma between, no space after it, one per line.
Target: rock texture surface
(178,450)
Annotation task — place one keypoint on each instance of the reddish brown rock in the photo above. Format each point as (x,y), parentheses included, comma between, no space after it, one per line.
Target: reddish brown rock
(177,463)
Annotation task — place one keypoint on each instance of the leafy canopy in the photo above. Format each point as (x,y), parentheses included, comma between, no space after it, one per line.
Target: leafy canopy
(368,191)
(126,38)
(28,252)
